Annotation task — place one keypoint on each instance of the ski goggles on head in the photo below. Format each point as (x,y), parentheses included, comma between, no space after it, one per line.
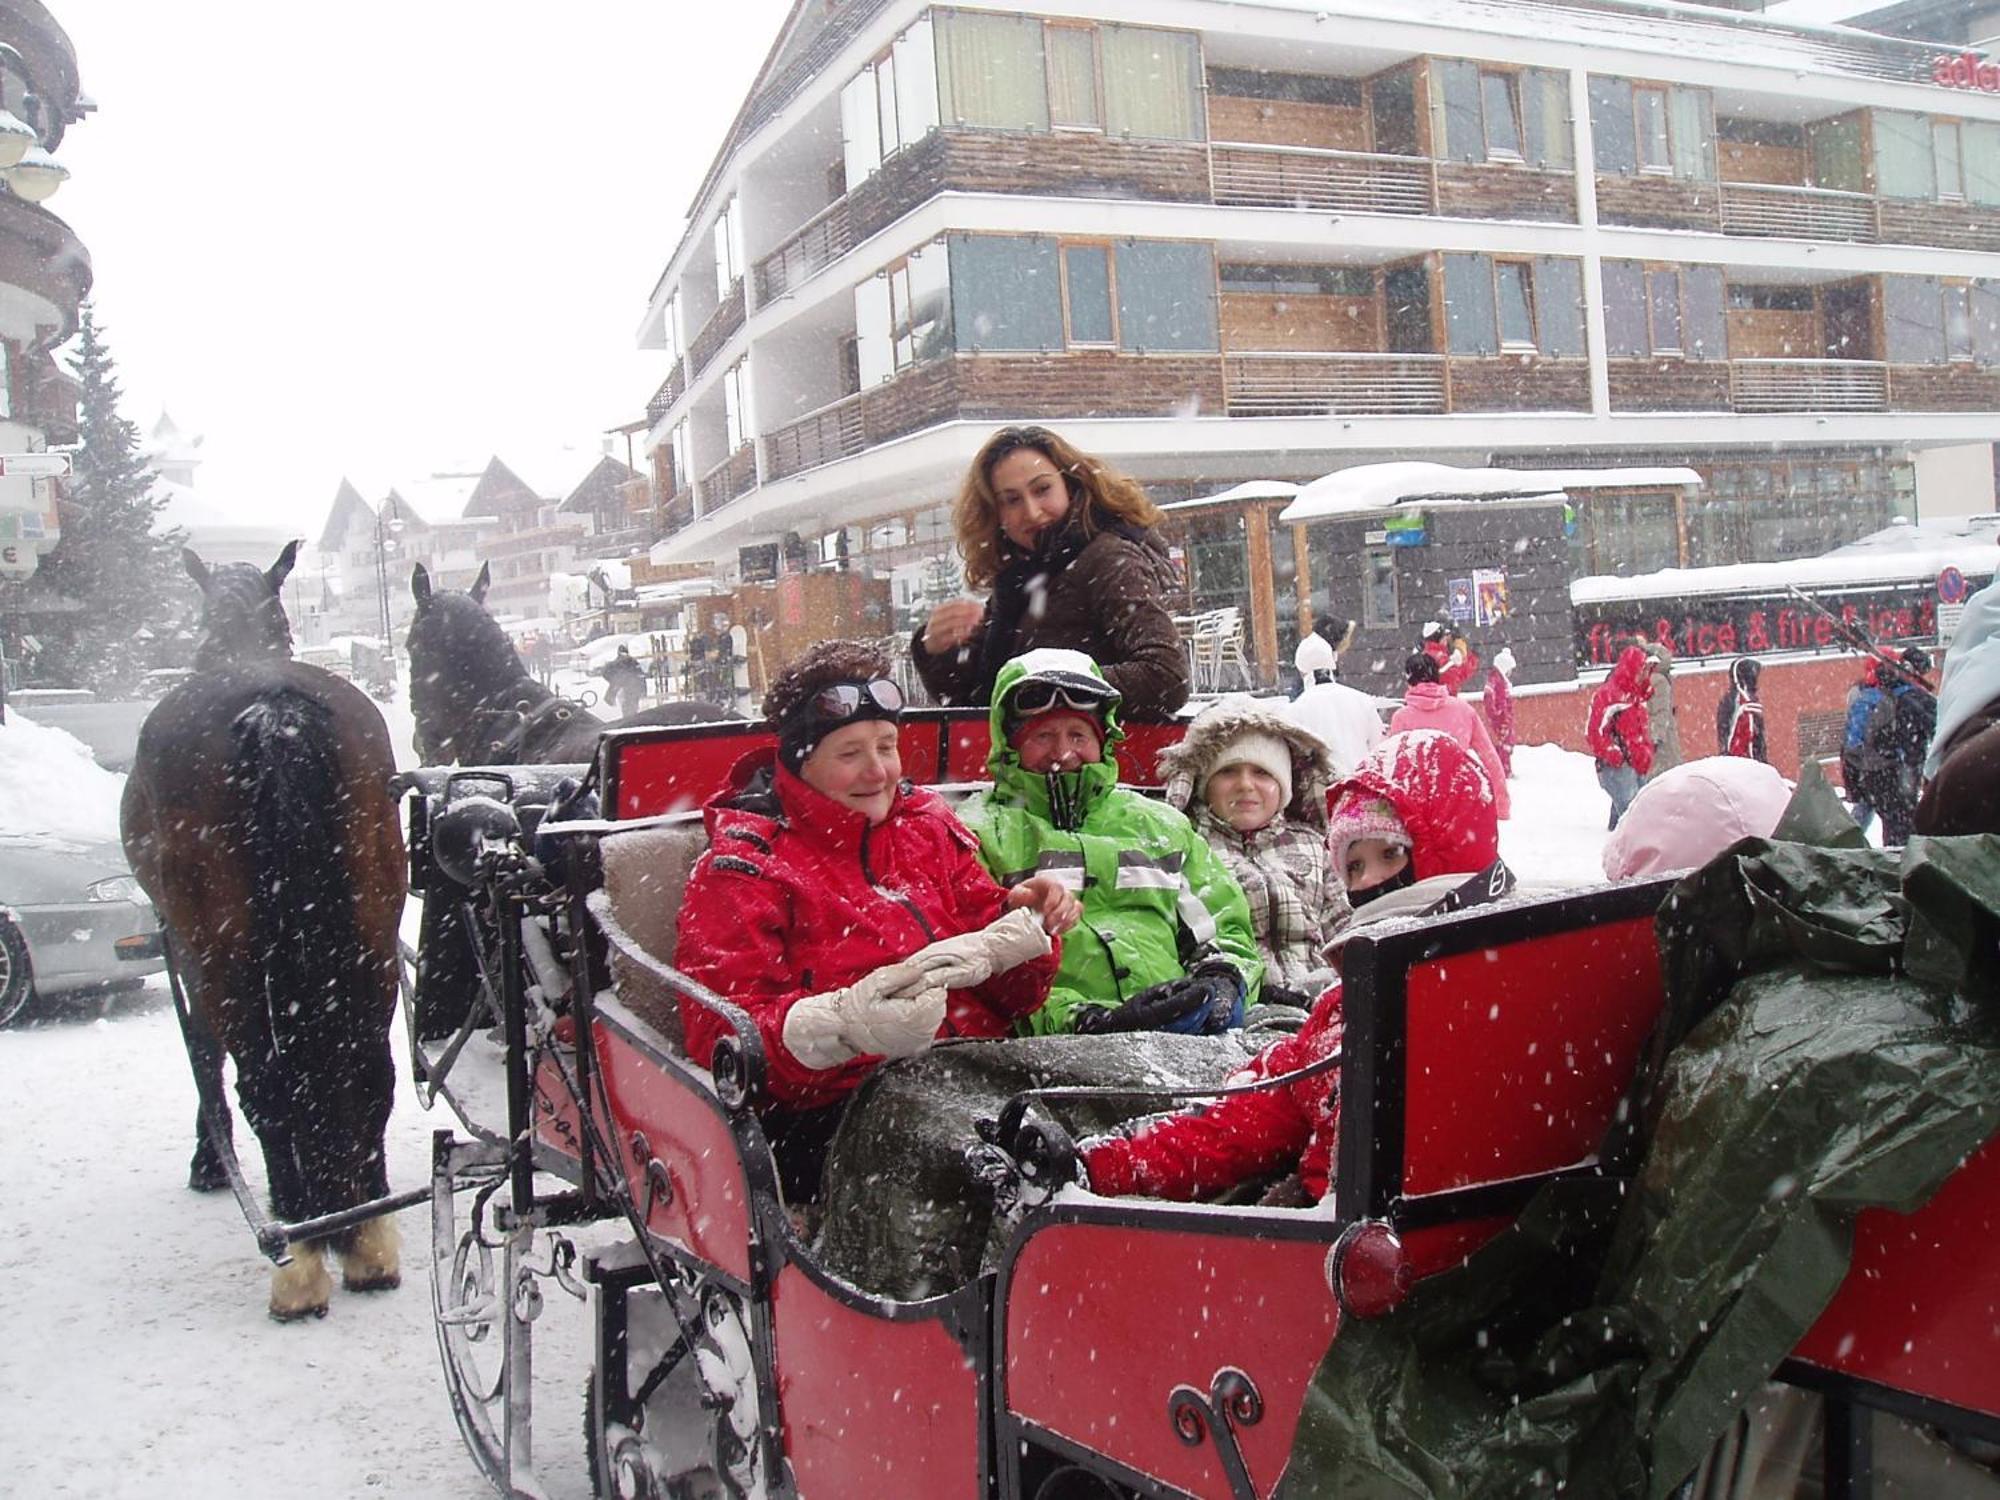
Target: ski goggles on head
(850,700)
(1085,695)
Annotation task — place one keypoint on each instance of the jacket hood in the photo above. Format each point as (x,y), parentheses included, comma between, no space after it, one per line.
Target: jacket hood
(1684,817)
(1061,798)
(1185,766)
(1743,674)
(1439,793)
(1662,655)
(1630,675)
(1971,671)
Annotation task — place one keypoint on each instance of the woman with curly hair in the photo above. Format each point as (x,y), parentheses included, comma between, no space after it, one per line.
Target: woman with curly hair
(846,910)
(1070,552)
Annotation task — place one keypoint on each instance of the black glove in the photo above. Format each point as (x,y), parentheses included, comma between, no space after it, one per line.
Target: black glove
(1202,1004)
(1023,1172)
(1278,994)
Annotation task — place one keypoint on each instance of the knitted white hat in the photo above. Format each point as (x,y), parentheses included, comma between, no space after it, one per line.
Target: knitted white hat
(1257,748)
(1361,815)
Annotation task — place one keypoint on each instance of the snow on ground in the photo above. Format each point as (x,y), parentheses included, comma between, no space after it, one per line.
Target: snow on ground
(142,1360)
(51,789)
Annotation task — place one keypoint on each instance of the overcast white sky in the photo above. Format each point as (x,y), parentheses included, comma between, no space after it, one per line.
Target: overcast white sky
(389,237)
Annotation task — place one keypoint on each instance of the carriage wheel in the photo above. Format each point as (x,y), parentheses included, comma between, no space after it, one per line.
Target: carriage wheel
(674,1417)
(484,1305)
(17,977)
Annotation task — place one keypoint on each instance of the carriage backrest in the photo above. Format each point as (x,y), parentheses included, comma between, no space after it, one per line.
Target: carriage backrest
(1490,1051)
(645,875)
(658,769)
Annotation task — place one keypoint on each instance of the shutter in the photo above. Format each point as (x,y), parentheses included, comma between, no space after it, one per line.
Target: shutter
(1617,139)
(1704,327)
(1625,335)
(1464,125)
(1559,306)
(1913,315)
(1469,315)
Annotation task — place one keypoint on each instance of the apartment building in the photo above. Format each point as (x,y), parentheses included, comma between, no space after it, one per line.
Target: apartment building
(1228,240)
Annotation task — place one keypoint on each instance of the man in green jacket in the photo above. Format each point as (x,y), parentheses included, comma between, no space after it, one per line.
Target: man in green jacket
(1165,942)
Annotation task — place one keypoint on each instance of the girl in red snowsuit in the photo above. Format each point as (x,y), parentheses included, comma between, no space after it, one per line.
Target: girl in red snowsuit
(1422,788)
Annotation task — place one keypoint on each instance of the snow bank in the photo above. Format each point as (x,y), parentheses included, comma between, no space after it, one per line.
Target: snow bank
(51,788)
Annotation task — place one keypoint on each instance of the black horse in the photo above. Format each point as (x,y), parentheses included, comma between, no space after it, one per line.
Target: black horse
(476,703)
(258,817)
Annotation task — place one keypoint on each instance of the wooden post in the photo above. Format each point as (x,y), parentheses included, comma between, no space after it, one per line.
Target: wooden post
(1263,598)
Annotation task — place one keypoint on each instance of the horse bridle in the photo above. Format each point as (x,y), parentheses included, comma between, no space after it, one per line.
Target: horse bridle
(507,746)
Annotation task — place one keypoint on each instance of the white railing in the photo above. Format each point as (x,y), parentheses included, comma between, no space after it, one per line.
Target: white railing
(1758,208)
(1782,385)
(834,431)
(1246,176)
(1304,385)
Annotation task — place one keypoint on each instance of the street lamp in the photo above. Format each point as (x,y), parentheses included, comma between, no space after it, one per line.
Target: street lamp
(387,528)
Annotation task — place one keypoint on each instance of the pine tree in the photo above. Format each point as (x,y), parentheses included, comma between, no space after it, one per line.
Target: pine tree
(109,559)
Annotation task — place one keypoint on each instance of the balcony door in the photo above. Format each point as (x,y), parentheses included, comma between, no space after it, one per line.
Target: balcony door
(1406,292)
(1849,311)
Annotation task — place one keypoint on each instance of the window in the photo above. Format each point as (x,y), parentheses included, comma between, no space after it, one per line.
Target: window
(1496,114)
(1663,310)
(1501,108)
(1960,346)
(1004,72)
(735,410)
(1166,296)
(919,307)
(1770,298)
(728,249)
(1627,534)
(1073,95)
(890,104)
(1652,128)
(1514,289)
(1905,155)
(670,327)
(678,445)
(1913,321)
(1979,142)
(1087,300)
(1649,109)
(1837,154)
(1278,280)
(1379,603)
(1008,292)
(1945,152)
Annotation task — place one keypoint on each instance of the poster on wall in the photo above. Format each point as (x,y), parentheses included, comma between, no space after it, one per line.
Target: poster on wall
(1458,600)
(1489,595)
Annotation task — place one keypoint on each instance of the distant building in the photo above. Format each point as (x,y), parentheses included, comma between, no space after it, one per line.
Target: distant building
(1282,237)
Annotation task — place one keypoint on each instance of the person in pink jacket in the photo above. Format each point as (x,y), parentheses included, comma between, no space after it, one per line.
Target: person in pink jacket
(1687,815)
(1429,705)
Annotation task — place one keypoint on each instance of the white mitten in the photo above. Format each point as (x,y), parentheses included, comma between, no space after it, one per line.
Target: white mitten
(881,1012)
(959,963)
(895,1025)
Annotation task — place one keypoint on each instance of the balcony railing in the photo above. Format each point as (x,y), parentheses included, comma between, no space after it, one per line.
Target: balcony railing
(733,477)
(1301,385)
(1248,176)
(724,321)
(1817,385)
(820,242)
(676,511)
(837,430)
(1756,208)
(669,392)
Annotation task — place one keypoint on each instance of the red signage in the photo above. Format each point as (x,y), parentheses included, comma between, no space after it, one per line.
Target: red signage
(1968,70)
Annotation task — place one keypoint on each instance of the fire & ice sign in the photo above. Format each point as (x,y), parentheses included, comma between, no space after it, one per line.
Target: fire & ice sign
(1755,624)
(1489,596)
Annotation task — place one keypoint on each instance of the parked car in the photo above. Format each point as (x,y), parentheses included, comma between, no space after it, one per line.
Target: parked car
(71,918)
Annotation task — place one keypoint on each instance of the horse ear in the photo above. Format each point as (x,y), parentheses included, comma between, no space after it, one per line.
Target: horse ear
(420,587)
(196,568)
(479,584)
(276,574)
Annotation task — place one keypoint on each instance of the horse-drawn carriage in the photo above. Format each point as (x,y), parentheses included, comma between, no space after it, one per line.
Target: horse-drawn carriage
(1114,1348)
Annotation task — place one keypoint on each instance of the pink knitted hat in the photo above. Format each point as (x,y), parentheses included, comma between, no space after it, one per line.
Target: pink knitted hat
(1361,817)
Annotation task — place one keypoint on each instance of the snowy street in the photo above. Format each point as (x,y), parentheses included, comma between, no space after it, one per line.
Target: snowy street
(142,1362)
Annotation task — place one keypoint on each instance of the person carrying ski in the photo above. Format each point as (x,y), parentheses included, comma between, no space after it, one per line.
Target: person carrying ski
(1619,733)
(1908,740)
(1739,717)
(1165,941)
(1871,716)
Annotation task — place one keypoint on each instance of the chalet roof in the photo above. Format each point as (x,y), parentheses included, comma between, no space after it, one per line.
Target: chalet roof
(396,508)
(347,502)
(499,491)
(599,487)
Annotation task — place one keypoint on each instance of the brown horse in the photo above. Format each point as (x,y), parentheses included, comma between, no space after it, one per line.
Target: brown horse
(258,818)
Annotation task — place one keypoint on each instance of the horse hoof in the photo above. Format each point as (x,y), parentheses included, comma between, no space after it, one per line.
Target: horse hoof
(372,1260)
(387,1282)
(295,1314)
(302,1288)
(207,1180)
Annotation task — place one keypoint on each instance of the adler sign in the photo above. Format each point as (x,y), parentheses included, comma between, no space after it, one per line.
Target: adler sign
(1968,70)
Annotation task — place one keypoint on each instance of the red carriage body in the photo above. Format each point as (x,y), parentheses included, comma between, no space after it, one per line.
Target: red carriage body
(1485,1055)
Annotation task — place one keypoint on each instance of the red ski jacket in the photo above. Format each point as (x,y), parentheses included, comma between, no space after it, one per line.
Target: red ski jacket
(798,895)
(1619,731)
(1441,797)
(1187,1156)
(1456,660)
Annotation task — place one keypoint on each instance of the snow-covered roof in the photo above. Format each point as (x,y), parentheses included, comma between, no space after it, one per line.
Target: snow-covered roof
(1902,553)
(1376,487)
(1253,489)
(438,498)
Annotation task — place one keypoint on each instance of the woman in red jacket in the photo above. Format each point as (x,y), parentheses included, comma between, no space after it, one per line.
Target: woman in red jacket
(1416,817)
(825,874)
(1620,737)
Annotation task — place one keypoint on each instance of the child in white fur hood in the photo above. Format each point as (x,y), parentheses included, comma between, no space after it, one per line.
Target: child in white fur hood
(1254,783)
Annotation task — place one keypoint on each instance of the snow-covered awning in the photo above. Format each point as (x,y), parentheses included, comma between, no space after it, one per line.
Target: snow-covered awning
(1896,554)
(1253,489)
(1377,487)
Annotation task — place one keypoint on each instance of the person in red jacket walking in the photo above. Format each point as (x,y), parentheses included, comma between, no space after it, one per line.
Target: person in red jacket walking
(1739,717)
(847,911)
(1498,701)
(1416,818)
(1620,737)
(1453,653)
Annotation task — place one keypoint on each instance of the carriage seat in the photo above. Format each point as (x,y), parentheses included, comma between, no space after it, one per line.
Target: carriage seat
(645,875)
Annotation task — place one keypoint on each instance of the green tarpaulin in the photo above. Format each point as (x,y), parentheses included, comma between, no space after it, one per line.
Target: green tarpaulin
(1831,1041)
